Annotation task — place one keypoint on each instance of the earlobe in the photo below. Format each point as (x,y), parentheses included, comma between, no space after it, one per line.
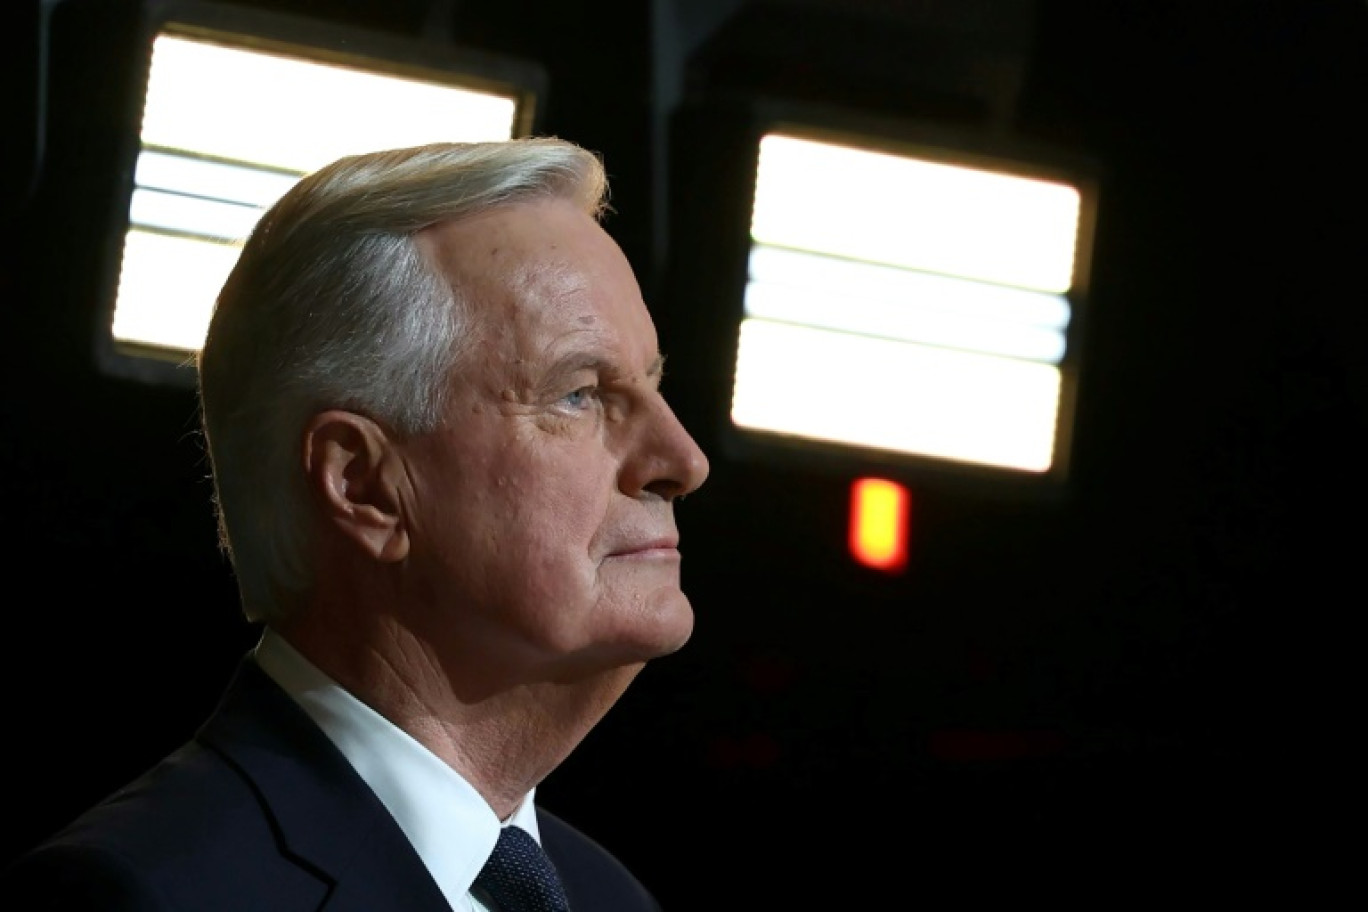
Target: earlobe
(351,466)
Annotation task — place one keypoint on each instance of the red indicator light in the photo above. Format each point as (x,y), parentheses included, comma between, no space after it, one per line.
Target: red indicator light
(878,523)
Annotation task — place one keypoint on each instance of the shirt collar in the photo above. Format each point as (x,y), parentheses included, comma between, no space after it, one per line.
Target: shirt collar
(451,827)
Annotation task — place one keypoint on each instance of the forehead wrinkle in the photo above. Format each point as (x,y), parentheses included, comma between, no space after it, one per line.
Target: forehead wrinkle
(539,298)
(552,275)
(545,292)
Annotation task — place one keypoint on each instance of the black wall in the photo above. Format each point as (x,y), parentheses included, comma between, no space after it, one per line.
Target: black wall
(1151,672)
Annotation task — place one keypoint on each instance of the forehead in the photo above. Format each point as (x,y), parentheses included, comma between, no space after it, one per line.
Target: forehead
(542,278)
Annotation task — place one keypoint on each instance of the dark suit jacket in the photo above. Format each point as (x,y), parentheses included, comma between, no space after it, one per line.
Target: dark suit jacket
(258,813)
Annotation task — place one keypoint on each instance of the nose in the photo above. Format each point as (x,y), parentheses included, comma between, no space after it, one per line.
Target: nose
(665,460)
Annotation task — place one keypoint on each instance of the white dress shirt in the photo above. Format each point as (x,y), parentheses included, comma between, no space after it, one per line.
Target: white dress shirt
(452,828)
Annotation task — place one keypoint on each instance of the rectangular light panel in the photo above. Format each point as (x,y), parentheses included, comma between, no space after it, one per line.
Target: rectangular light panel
(906,304)
(226,130)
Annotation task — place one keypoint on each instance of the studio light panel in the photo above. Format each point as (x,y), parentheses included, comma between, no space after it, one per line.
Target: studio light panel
(913,305)
(229,126)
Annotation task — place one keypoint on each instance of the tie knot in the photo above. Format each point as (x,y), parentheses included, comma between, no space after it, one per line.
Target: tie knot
(520,877)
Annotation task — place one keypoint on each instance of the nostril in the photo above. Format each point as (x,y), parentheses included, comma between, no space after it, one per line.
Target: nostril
(665,489)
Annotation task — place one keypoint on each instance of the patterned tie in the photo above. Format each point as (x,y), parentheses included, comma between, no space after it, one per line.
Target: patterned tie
(520,877)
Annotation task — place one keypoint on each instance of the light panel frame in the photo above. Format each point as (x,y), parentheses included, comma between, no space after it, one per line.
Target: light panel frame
(152,183)
(814,340)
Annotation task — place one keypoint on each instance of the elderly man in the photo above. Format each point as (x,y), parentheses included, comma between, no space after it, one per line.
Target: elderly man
(445,476)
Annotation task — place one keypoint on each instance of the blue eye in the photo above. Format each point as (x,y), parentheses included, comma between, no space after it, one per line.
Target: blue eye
(583,398)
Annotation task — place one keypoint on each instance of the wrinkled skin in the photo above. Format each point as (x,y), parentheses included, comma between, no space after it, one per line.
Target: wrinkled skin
(541,517)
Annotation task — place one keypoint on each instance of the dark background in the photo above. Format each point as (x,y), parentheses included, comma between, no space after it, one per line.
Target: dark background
(1149,677)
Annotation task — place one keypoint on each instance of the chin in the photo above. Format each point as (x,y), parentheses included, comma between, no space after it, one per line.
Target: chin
(660,626)
(670,621)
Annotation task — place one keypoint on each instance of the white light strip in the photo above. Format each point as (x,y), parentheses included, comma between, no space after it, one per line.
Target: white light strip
(176,280)
(209,104)
(862,279)
(895,396)
(299,114)
(925,215)
(205,218)
(213,180)
(833,293)
(902,321)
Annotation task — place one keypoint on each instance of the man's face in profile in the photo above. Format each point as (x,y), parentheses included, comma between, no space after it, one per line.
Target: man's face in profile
(543,526)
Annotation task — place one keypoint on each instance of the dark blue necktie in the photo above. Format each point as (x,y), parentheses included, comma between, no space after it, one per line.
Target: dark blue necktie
(519,876)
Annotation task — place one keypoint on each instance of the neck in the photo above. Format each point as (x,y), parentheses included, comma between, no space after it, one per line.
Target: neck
(503,735)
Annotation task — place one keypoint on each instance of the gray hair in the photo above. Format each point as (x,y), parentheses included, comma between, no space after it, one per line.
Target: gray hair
(333,305)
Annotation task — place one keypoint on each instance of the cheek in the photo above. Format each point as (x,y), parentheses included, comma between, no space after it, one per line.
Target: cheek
(565,526)
(543,577)
(561,490)
(550,511)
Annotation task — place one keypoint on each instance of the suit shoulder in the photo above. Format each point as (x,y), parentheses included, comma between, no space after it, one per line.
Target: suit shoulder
(186,834)
(75,877)
(188,798)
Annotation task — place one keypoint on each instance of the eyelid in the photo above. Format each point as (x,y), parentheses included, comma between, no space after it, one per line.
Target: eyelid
(592,392)
(564,384)
(600,381)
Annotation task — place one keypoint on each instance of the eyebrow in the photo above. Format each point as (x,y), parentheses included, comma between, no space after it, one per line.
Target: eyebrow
(585,361)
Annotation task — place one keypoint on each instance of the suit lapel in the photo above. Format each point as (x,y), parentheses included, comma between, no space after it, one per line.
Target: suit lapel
(328,820)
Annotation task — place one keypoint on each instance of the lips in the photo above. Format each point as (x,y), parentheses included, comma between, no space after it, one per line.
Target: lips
(644,542)
(663,543)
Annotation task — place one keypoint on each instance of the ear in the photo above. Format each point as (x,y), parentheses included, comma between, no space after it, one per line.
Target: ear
(355,474)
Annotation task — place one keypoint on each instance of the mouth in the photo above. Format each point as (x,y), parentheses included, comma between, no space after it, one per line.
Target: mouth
(665,546)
